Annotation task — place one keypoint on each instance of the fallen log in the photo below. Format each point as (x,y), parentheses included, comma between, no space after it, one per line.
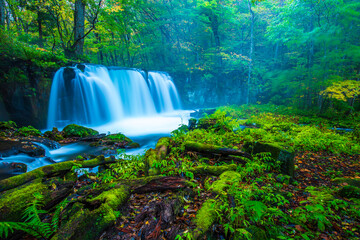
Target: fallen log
(212,170)
(161,184)
(51,170)
(213,149)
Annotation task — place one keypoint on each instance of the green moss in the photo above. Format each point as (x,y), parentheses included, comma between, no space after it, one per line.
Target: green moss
(205,218)
(90,224)
(8,125)
(150,158)
(213,170)
(14,201)
(133,145)
(164,141)
(74,130)
(225,180)
(28,131)
(118,137)
(48,170)
(113,197)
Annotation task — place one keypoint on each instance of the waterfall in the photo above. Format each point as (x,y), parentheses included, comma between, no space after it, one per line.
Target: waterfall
(97,95)
(164,92)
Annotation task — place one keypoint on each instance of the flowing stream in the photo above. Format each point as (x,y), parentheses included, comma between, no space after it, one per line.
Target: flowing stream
(142,105)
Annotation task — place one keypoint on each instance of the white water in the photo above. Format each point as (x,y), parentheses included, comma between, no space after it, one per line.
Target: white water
(101,96)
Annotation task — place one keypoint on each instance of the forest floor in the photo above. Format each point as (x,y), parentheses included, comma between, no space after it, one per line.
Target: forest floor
(208,182)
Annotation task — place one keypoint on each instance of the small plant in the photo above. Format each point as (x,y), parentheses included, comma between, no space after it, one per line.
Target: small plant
(32,222)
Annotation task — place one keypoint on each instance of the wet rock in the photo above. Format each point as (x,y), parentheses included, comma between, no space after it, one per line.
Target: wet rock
(93,138)
(54,134)
(8,148)
(8,169)
(47,142)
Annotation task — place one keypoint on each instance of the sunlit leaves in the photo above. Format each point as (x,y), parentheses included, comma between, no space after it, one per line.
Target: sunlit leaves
(343,90)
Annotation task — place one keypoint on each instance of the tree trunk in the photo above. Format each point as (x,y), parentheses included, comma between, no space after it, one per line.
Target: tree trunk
(251,51)
(79,27)
(39,20)
(2,14)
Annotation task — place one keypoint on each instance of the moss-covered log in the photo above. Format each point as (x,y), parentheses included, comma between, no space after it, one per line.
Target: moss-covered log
(205,217)
(213,149)
(213,170)
(85,222)
(13,202)
(51,170)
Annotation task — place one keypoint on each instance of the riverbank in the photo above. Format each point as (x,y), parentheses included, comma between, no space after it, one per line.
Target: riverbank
(212,179)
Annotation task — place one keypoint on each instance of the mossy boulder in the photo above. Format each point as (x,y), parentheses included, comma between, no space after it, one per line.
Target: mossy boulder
(225,180)
(73,130)
(54,134)
(28,131)
(162,147)
(150,158)
(284,156)
(159,153)
(133,145)
(117,137)
(118,140)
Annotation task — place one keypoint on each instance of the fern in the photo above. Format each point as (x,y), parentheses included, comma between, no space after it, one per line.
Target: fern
(55,222)
(32,222)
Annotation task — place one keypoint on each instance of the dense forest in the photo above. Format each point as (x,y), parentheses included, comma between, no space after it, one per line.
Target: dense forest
(301,53)
(268,148)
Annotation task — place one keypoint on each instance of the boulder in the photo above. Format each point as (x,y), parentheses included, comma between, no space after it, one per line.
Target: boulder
(285,156)
(8,148)
(73,130)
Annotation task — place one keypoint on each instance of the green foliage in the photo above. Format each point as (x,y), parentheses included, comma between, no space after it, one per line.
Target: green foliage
(32,222)
(28,131)
(73,130)
(9,125)
(118,137)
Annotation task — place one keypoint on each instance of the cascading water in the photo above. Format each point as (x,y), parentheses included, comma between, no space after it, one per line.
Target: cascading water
(99,95)
(164,92)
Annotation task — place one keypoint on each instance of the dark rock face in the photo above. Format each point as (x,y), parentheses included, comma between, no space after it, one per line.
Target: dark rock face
(208,89)
(24,90)
(8,148)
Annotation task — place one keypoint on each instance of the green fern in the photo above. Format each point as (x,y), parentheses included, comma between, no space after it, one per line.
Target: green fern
(32,222)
